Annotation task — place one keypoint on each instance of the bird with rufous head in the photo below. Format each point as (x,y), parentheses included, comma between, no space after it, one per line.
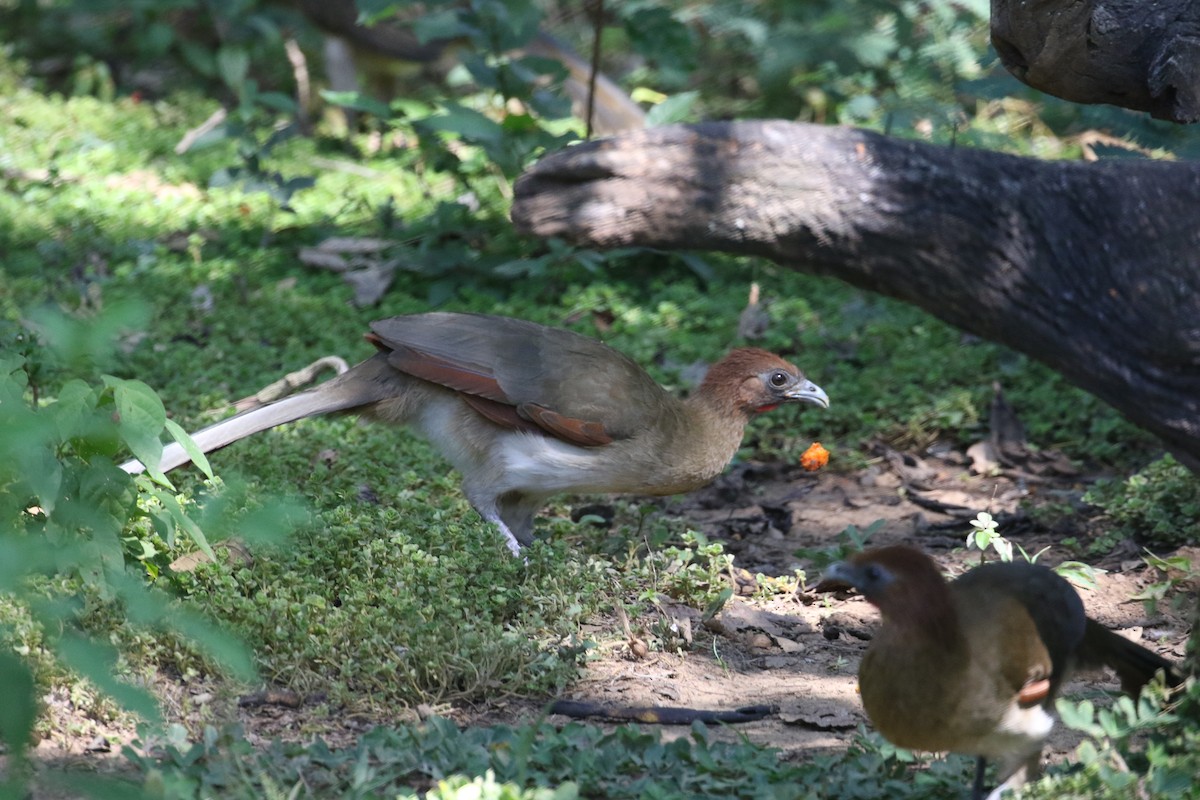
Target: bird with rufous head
(525,411)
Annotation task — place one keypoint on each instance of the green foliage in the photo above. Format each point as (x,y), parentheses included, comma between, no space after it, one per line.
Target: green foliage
(66,512)
(227,46)
(1158,506)
(693,572)
(849,541)
(984,533)
(854,62)
(539,761)
(1138,748)
(252,175)
(1179,574)
(509,96)
(376,613)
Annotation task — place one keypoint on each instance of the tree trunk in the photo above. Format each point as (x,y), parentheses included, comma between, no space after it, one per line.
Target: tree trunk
(1133,53)
(1091,268)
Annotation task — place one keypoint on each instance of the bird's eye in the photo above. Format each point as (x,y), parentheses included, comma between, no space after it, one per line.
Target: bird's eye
(874,573)
(779,379)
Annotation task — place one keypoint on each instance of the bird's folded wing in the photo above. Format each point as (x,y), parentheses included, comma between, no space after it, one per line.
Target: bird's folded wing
(577,431)
(597,393)
(460,375)
(483,392)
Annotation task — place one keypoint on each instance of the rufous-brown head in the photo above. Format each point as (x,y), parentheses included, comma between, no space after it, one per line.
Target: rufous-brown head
(750,381)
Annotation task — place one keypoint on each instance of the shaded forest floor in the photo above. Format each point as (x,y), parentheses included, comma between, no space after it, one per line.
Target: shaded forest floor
(797,652)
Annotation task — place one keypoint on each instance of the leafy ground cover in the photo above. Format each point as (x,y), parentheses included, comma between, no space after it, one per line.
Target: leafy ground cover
(390,600)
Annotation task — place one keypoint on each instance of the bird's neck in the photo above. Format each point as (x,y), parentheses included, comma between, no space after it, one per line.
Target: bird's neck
(694,442)
(920,644)
(925,615)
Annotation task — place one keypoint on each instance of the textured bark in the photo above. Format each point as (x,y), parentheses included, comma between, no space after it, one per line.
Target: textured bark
(1091,268)
(1139,54)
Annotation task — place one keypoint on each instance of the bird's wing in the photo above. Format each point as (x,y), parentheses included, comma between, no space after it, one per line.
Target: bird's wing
(570,386)
(1050,602)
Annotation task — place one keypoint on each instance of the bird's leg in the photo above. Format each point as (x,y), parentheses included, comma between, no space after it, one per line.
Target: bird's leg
(980,770)
(517,509)
(492,509)
(1027,771)
(493,517)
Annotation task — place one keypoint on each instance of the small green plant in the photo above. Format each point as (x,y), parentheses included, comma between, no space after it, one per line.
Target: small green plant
(66,510)
(1179,572)
(985,533)
(771,586)
(1137,748)
(516,95)
(539,761)
(1158,506)
(849,541)
(693,572)
(254,149)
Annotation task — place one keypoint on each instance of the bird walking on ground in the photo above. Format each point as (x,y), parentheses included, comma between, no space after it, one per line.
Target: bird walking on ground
(525,411)
(973,666)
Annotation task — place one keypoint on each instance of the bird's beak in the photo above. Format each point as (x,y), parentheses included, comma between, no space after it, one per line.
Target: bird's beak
(808,392)
(837,577)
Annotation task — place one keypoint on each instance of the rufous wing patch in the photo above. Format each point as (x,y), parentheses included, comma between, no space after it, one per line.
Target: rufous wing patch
(582,432)
(470,378)
(483,392)
(502,414)
(1033,692)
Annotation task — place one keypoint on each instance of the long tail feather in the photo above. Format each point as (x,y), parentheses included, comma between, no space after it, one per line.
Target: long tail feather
(220,434)
(371,381)
(1134,664)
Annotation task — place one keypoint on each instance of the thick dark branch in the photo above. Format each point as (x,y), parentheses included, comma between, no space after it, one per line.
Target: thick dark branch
(1132,53)
(1093,269)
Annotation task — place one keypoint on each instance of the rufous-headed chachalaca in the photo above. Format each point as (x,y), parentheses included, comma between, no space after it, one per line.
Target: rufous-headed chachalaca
(526,411)
(973,666)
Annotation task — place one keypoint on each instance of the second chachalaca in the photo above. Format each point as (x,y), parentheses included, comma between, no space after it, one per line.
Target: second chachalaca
(525,411)
(973,666)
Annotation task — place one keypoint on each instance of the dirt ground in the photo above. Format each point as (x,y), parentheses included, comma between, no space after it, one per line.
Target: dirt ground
(797,653)
(801,653)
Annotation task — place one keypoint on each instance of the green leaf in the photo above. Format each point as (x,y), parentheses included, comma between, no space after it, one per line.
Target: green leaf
(182,520)
(659,36)
(699,266)
(101,557)
(18,704)
(465,122)
(718,602)
(1079,716)
(140,420)
(357,101)
(97,663)
(233,65)
(73,409)
(42,473)
(676,108)
(153,609)
(190,447)
(444,24)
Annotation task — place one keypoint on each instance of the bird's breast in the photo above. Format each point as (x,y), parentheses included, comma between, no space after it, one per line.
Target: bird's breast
(1021,731)
(926,697)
